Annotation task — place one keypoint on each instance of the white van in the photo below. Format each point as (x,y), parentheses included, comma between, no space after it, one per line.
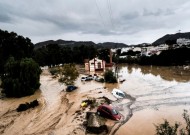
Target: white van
(118,93)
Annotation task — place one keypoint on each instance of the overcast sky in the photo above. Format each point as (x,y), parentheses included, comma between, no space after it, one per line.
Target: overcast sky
(126,21)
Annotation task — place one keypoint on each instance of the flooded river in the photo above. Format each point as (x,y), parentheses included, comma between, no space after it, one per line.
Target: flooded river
(159,93)
(154,94)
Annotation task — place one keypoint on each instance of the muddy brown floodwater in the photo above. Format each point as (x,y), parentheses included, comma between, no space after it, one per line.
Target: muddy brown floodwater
(153,94)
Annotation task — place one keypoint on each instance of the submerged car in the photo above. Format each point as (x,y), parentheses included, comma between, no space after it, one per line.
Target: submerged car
(71,88)
(109,112)
(118,93)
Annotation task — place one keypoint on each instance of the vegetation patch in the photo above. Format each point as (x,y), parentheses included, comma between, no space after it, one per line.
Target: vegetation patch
(167,129)
(21,78)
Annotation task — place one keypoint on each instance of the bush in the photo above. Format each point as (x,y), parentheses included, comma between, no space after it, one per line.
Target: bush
(109,77)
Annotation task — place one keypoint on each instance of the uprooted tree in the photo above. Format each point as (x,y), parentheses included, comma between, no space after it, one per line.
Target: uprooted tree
(167,129)
(69,74)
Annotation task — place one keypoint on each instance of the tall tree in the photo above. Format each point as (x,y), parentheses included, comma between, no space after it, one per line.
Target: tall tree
(21,77)
(104,54)
(13,45)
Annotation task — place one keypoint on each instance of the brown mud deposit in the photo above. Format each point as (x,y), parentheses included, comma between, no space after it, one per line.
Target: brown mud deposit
(154,94)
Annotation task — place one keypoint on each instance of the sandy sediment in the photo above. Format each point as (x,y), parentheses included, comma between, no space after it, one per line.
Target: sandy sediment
(59,112)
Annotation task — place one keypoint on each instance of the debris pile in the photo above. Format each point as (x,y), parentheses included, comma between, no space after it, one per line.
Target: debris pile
(26,106)
(95,124)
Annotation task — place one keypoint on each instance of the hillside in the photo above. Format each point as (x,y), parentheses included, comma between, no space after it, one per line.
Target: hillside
(78,43)
(163,39)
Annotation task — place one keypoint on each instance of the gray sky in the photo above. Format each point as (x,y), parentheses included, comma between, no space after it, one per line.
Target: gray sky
(126,21)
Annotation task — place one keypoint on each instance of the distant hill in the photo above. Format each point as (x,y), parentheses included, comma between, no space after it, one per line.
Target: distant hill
(78,43)
(163,39)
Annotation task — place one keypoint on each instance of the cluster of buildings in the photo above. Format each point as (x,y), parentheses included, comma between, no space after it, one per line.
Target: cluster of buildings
(183,41)
(145,50)
(152,50)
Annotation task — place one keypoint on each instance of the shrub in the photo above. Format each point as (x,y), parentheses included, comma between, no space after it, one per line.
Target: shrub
(167,129)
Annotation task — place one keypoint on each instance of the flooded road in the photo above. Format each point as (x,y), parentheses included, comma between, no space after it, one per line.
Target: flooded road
(154,94)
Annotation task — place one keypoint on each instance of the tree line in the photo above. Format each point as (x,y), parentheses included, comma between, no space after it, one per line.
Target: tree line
(53,54)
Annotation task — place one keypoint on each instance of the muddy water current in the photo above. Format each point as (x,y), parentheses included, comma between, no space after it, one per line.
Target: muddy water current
(153,94)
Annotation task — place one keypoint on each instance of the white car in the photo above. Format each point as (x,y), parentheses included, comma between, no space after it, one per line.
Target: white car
(118,93)
(83,78)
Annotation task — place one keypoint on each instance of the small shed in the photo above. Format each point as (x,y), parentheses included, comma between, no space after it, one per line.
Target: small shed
(94,64)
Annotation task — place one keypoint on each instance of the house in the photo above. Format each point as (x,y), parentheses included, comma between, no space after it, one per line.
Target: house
(94,65)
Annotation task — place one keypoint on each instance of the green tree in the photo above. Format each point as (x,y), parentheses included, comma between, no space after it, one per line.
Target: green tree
(104,54)
(109,77)
(21,78)
(69,74)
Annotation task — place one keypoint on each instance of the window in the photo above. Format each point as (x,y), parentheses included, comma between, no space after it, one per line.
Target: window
(99,64)
(114,112)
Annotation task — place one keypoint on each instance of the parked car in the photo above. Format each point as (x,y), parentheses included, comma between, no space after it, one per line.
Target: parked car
(83,78)
(71,88)
(118,93)
(99,79)
(90,77)
(87,78)
(109,112)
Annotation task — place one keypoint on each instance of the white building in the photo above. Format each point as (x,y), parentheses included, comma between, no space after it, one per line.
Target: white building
(135,49)
(183,41)
(95,65)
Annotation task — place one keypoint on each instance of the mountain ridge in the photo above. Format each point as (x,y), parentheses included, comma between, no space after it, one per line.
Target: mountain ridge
(175,36)
(71,43)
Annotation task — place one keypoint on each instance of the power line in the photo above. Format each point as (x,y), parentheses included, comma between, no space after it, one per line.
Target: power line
(111,16)
(110,13)
(99,11)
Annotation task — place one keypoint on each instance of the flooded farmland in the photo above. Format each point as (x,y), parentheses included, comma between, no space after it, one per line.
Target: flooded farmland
(153,94)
